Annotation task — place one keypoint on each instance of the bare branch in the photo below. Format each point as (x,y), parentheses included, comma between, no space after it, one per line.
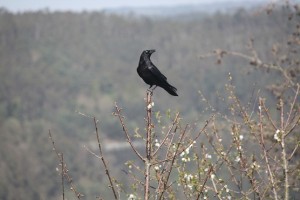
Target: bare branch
(118,114)
(104,162)
(65,169)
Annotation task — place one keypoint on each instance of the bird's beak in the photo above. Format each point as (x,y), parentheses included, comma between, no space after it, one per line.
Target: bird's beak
(152,51)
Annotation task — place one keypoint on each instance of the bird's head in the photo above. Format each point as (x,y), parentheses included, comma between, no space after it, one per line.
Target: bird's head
(149,52)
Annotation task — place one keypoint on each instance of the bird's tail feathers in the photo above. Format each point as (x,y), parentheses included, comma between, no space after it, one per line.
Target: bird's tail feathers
(170,89)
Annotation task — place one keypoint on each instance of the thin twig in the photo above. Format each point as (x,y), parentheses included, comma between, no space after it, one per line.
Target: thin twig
(292,107)
(118,114)
(214,186)
(262,143)
(62,176)
(164,167)
(103,161)
(204,182)
(172,161)
(167,135)
(65,169)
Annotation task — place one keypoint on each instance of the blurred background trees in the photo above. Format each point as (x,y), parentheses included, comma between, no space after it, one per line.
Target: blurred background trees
(56,64)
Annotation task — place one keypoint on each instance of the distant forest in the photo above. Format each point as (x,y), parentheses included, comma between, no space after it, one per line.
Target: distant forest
(56,65)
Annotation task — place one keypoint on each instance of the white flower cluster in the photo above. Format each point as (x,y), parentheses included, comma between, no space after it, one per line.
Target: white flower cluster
(156,143)
(157,167)
(189,178)
(132,197)
(186,152)
(226,188)
(277,135)
(208,156)
(254,165)
(150,105)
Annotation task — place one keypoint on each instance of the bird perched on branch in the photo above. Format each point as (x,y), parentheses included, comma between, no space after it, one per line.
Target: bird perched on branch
(151,75)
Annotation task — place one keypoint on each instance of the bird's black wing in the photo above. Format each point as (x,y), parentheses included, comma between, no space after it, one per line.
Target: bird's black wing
(157,73)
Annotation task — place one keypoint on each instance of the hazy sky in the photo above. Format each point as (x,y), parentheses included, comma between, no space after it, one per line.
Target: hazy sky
(78,5)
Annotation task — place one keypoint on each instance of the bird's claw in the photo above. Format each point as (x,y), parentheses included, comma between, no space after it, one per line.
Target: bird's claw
(150,91)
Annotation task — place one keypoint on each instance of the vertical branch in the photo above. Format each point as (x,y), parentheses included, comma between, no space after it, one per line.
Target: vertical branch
(285,169)
(149,125)
(262,143)
(62,176)
(284,156)
(212,177)
(65,169)
(103,161)
(173,158)
(205,179)
(292,107)
(148,144)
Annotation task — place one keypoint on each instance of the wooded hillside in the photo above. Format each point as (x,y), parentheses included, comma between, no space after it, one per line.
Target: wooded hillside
(56,64)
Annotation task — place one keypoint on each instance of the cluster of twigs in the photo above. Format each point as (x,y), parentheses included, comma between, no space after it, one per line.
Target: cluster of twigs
(273,167)
(64,172)
(174,142)
(285,57)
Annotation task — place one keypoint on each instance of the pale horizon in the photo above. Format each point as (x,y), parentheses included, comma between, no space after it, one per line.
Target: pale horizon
(78,5)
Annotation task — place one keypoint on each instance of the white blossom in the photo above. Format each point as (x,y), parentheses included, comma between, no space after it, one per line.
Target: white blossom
(132,197)
(208,156)
(212,176)
(156,143)
(254,165)
(182,154)
(241,137)
(188,159)
(188,177)
(276,135)
(150,105)
(226,188)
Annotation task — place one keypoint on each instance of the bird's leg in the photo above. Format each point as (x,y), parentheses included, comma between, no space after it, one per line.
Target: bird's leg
(153,89)
(149,89)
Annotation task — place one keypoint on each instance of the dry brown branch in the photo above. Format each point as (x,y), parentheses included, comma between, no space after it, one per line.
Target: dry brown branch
(65,169)
(104,162)
(266,157)
(121,119)
(167,135)
(204,181)
(148,158)
(62,176)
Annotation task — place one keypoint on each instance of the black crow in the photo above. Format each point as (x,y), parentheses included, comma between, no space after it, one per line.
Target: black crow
(151,75)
